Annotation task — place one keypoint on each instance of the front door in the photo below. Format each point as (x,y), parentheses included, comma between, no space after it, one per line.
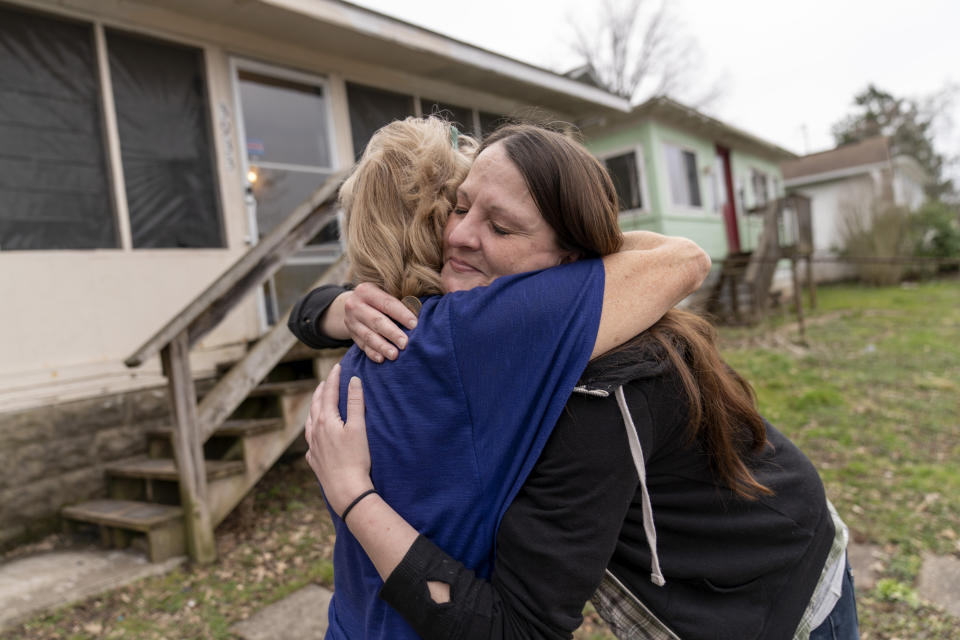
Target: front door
(288,137)
(724,176)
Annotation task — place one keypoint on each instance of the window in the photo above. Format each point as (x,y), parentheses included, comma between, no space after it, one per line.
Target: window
(489,122)
(624,170)
(54,187)
(717,191)
(718,182)
(461,117)
(372,108)
(288,145)
(758,181)
(159,90)
(684,177)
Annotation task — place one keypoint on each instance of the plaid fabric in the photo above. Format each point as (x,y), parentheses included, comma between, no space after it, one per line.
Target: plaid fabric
(631,619)
(836,555)
(626,615)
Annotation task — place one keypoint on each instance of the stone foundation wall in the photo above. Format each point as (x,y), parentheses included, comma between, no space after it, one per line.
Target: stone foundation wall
(55,455)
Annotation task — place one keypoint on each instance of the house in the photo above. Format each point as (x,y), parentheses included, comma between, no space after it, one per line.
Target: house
(681,172)
(846,182)
(147,147)
(154,157)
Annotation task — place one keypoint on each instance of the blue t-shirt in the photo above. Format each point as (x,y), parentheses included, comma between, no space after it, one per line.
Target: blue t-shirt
(456,423)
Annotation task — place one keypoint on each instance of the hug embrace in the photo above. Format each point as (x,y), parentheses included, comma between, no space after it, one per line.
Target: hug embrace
(529,424)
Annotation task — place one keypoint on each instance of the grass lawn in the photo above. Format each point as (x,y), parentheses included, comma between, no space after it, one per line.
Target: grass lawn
(873,399)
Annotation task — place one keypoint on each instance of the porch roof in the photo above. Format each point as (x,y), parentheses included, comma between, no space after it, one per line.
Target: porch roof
(671,112)
(373,38)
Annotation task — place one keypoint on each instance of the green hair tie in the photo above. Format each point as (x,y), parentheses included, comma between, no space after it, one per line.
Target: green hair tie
(454,137)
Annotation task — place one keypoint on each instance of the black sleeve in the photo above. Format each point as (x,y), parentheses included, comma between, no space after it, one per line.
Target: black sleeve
(304,320)
(553,545)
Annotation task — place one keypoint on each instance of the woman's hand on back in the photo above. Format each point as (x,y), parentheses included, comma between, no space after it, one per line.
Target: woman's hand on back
(338,452)
(369,314)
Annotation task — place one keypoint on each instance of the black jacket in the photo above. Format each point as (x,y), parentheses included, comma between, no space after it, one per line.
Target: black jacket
(734,568)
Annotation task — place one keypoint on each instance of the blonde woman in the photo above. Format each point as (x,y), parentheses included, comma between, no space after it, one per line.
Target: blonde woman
(459,419)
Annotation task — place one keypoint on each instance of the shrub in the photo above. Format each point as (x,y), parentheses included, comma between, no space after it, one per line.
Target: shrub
(873,231)
(937,231)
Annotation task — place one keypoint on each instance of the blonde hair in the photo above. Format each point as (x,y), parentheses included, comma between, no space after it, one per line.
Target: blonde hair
(396,203)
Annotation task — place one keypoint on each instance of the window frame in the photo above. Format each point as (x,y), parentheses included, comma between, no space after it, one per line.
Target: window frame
(238,64)
(111,134)
(116,205)
(637,150)
(757,201)
(319,254)
(213,146)
(680,206)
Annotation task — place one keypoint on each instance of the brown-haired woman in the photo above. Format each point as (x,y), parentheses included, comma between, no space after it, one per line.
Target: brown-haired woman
(459,419)
(660,473)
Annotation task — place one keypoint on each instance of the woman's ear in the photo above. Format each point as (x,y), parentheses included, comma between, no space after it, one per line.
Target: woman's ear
(568,257)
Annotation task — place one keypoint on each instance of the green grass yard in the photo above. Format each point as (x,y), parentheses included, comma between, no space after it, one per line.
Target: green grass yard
(873,399)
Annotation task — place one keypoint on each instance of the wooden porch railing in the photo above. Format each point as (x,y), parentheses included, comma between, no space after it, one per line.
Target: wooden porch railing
(193,424)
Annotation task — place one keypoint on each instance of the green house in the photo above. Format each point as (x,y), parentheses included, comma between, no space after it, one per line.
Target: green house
(681,172)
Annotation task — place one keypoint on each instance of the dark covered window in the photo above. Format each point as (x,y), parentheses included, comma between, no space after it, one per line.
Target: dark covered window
(758,179)
(625,174)
(372,108)
(462,117)
(54,190)
(489,122)
(159,90)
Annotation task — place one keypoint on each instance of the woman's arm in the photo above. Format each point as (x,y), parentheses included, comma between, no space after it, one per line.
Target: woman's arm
(340,457)
(307,318)
(553,544)
(332,316)
(644,280)
(647,278)
(554,541)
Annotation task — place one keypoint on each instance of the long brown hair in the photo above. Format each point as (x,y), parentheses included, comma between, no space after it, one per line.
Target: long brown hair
(577,198)
(570,187)
(721,407)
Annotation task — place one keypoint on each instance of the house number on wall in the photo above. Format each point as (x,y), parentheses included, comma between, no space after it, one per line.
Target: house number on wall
(225,123)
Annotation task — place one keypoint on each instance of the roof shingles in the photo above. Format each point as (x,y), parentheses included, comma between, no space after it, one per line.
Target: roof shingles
(865,152)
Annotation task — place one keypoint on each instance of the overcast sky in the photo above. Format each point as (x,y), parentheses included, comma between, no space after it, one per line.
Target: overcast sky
(782,67)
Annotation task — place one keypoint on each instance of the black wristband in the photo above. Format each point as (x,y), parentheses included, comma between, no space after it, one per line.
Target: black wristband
(355,501)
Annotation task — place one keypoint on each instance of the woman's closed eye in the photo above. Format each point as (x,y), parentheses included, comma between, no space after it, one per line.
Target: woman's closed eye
(497,229)
(460,210)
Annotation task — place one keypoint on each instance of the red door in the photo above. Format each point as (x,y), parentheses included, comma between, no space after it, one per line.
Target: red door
(728,203)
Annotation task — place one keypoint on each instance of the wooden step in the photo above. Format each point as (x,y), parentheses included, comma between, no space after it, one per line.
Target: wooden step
(306,385)
(128,514)
(300,351)
(160,526)
(166,469)
(234,428)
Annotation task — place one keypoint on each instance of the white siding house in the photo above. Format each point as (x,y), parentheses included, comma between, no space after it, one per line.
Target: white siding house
(846,180)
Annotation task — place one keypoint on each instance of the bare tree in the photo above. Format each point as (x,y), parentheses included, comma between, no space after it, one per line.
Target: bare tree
(636,49)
